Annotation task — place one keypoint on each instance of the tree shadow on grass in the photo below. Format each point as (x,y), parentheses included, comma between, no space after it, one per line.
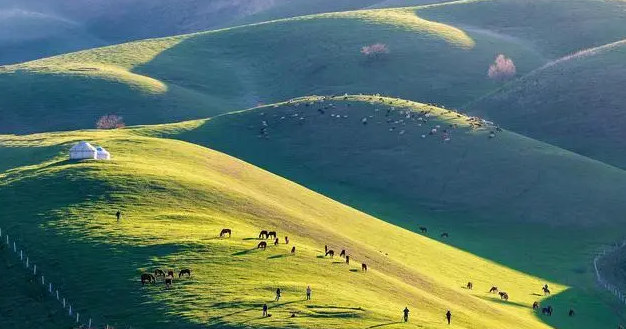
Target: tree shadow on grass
(384,324)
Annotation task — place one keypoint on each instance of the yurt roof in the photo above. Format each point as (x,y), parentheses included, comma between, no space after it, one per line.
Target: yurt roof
(83,146)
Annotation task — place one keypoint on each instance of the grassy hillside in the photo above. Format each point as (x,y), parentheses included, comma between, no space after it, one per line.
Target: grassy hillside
(204,74)
(176,197)
(487,193)
(556,28)
(576,103)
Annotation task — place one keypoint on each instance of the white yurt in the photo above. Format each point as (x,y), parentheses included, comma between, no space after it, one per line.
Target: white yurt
(102,154)
(82,150)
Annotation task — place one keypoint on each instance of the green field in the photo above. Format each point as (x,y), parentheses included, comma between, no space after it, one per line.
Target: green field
(177,196)
(200,75)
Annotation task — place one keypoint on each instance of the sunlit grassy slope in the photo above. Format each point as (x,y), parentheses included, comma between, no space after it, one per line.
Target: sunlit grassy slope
(577,103)
(501,198)
(200,75)
(175,198)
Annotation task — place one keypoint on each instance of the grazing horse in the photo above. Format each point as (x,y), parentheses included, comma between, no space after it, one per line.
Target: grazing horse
(343,253)
(347,259)
(158,272)
(224,231)
(364,267)
(331,253)
(493,290)
(536,305)
(271,234)
(504,295)
(571,312)
(293,249)
(263,235)
(470,285)
(147,277)
(423,229)
(445,235)
(184,271)
(262,245)
(276,242)
(546,291)
(547,311)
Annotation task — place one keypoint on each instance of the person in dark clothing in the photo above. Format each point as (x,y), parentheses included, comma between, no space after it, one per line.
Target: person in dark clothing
(264,310)
(308,293)
(449,316)
(118,215)
(278,294)
(406,314)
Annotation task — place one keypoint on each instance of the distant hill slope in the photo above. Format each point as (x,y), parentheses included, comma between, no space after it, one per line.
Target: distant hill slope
(485,192)
(557,28)
(200,75)
(576,102)
(175,198)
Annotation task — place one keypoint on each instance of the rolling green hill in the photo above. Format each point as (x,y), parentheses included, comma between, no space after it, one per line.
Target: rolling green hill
(175,198)
(481,190)
(575,102)
(200,75)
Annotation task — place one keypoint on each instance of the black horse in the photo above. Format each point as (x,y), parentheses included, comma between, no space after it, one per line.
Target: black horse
(225,231)
(184,271)
(147,277)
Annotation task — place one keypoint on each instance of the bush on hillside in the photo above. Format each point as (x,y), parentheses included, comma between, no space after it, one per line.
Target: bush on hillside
(375,50)
(110,121)
(502,68)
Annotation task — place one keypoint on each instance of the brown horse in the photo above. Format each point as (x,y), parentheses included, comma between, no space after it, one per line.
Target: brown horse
(342,253)
(263,235)
(470,285)
(293,249)
(184,271)
(276,242)
(347,259)
(504,295)
(271,234)
(493,290)
(225,231)
(158,272)
(331,253)
(445,235)
(536,305)
(147,277)
(364,267)
(423,229)
(262,245)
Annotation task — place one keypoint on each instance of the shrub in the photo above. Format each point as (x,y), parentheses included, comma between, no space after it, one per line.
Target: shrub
(502,68)
(110,122)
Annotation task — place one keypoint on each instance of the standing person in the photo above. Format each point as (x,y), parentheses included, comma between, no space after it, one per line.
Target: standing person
(406,314)
(277,294)
(286,240)
(264,310)
(449,316)
(118,214)
(348,260)
(308,293)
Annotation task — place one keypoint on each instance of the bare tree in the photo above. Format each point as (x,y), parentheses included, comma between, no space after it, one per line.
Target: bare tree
(502,68)
(375,50)
(110,121)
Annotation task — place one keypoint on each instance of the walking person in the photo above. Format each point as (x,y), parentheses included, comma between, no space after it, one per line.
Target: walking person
(406,314)
(278,294)
(264,310)
(118,215)
(449,316)
(308,293)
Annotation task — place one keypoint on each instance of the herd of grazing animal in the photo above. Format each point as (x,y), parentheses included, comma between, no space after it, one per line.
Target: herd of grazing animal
(168,278)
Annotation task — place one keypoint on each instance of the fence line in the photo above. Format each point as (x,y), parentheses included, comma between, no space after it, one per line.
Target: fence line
(621,296)
(25,260)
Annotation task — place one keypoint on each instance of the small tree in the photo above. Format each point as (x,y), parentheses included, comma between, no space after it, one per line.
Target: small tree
(502,68)
(375,50)
(110,121)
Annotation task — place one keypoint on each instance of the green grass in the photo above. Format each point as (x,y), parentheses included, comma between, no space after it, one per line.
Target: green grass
(200,75)
(576,104)
(175,198)
(487,193)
